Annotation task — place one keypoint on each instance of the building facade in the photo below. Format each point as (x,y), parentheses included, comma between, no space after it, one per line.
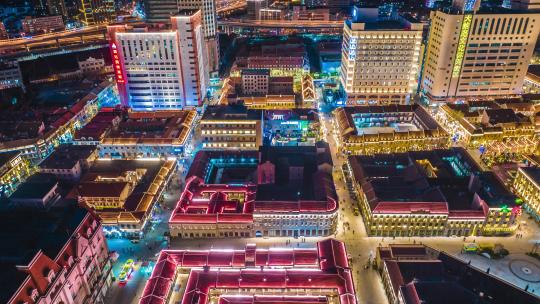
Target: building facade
(32,25)
(10,76)
(231,127)
(255,82)
(388,129)
(271,200)
(431,193)
(93,12)
(14,169)
(91,65)
(495,128)
(161,69)
(78,270)
(527,187)
(484,54)
(380,58)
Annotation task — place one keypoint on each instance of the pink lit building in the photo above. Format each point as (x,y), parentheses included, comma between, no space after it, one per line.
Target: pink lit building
(55,256)
(253,275)
(277,192)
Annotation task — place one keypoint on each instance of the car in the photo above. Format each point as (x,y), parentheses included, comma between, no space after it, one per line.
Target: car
(126,272)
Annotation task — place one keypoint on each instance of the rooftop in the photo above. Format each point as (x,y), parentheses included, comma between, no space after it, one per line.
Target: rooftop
(5,158)
(141,197)
(291,114)
(322,268)
(264,72)
(438,181)
(158,127)
(532,172)
(309,189)
(24,232)
(36,186)
(441,279)
(390,119)
(230,112)
(67,156)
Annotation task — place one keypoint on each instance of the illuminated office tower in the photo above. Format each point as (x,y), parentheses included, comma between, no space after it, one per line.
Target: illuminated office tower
(92,12)
(160,11)
(208,9)
(380,58)
(160,69)
(475,54)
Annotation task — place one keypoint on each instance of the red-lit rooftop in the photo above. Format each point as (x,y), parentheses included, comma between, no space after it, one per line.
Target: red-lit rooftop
(323,269)
(218,203)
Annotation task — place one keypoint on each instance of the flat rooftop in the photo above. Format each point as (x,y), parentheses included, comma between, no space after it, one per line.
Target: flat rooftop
(372,120)
(67,156)
(231,112)
(313,270)
(438,181)
(157,127)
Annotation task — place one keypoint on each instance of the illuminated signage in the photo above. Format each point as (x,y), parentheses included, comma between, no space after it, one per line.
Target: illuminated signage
(353,42)
(116,65)
(462,44)
(468,6)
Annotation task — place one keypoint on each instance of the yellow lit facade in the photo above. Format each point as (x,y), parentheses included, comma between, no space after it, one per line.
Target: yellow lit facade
(391,208)
(380,66)
(231,127)
(473,132)
(526,186)
(13,171)
(480,55)
(426,137)
(269,102)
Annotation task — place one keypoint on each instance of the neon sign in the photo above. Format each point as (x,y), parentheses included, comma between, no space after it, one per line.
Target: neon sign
(352,47)
(116,64)
(462,44)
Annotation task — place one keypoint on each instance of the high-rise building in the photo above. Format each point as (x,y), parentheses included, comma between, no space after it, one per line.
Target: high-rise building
(56,7)
(254,7)
(208,9)
(379,58)
(478,54)
(92,12)
(160,11)
(161,69)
